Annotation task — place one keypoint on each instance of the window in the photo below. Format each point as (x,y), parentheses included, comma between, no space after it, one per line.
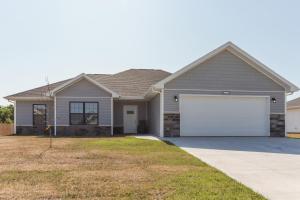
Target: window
(83,113)
(39,115)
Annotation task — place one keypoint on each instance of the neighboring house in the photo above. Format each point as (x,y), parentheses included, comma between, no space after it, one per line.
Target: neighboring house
(224,93)
(293,116)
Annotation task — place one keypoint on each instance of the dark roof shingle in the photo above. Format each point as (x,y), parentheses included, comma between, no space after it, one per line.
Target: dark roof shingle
(132,82)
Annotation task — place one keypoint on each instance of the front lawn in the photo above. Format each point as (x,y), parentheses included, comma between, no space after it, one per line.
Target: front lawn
(108,168)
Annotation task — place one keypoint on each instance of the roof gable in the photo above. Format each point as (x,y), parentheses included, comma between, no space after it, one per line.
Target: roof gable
(229,46)
(83,88)
(293,104)
(224,71)
(78,78)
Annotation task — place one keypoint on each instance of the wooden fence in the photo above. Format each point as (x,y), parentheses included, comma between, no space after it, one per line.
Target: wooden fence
(6,129)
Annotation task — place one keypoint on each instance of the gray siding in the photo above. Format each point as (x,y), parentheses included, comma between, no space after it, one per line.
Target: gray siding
(25,113)
(84,91)
(154,113)
(225,71)
(171,106)
(118,111)
(62,109)
(83,88)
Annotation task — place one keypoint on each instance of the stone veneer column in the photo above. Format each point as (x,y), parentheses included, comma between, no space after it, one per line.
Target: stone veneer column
(172,125)
(277,125)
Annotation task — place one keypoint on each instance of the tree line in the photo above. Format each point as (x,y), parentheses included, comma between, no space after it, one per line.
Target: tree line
(7,114)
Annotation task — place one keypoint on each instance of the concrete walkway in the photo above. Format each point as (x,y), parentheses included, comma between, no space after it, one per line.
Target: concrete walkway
(147,137)
(270,166)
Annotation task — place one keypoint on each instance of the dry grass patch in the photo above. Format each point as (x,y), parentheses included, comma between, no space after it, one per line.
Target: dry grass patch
(108,168)
(294,135)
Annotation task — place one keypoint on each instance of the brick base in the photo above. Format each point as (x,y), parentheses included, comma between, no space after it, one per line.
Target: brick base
(66,130)
(31,130)
(83,130)
(277,125)
(172,125)
(119,130)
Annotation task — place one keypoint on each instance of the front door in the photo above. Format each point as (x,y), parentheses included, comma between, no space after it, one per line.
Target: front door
(130,118)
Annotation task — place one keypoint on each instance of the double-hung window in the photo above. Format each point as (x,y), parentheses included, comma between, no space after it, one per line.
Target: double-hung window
(84,113)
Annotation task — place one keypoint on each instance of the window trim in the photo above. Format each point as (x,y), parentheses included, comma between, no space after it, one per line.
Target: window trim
(45,115)
(84,120)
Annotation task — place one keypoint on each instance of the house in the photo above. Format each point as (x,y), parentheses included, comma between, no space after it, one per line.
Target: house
(293,116)
(224,93)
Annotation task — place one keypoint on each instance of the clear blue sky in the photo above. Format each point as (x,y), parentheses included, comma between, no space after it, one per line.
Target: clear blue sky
(61,39)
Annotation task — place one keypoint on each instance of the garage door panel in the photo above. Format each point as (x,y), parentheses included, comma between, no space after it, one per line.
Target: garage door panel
(224,116)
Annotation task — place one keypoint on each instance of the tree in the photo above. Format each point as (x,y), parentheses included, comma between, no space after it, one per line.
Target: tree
(7,114)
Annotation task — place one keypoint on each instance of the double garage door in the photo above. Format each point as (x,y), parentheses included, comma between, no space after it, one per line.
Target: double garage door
(224,115)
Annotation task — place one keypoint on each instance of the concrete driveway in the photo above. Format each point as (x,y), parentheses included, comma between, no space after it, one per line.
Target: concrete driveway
(270,166)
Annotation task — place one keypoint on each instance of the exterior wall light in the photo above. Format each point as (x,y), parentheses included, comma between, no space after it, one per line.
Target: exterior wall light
(176,98)
(273,99)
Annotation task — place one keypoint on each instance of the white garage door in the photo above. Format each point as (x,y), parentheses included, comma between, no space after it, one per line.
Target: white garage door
(224,116)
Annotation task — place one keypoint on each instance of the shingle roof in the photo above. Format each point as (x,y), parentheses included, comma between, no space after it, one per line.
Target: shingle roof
(132,82)
(294,103)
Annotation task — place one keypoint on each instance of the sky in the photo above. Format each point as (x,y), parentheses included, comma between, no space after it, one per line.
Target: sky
(60,39)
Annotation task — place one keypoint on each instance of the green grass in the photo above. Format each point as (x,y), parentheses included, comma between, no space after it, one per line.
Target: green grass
(197,181)
(112,168)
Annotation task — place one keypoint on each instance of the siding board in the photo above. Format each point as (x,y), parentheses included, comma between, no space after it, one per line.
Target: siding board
(83,88)
(171,106)
(24,112)
(225,71)
(62,109)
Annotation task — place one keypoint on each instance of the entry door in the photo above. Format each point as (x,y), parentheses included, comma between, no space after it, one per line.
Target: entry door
(130,118)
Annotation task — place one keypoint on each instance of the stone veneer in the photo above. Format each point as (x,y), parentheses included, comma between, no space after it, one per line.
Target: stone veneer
(83,130)
(172,125)
(31,130)
(74,130)
(277,125)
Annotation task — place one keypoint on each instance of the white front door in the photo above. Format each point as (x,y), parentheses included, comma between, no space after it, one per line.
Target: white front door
(130,118)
